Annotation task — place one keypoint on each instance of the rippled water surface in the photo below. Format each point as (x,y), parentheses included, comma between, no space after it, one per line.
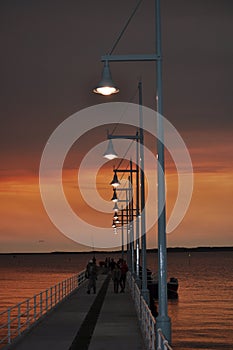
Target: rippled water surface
(202,317)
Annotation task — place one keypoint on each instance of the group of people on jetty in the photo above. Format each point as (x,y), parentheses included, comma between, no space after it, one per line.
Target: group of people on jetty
(118,271)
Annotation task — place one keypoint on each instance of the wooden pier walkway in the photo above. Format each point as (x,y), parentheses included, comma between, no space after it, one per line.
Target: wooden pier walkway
(100,321)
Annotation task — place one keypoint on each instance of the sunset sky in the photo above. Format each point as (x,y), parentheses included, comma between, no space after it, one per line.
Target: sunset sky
(50,62)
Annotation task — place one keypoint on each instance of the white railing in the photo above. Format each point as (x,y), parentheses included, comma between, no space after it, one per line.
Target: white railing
(22,316)
(146,319)
(162,341)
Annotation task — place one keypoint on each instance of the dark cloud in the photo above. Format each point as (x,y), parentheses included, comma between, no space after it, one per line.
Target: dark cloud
(50,60)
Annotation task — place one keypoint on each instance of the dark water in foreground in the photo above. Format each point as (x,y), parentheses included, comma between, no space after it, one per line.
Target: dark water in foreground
(202,317)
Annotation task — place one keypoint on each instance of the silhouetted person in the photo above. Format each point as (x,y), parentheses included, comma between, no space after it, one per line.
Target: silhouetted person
(112,264)
(124,269)
(116,275)
(91,274)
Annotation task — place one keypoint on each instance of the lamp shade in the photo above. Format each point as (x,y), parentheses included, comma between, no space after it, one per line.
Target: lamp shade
(110,152)
(106,86)
(115,216)
(113,224)
(115,182)
(115,208)
(114,197)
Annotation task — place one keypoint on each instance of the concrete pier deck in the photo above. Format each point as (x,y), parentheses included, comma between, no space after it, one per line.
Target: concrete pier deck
(105,320)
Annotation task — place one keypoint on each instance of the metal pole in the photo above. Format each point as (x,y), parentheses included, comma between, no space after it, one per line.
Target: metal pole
(162,321)
(145,291)
(127,234)
(122,233)
(131,219)
(137,279)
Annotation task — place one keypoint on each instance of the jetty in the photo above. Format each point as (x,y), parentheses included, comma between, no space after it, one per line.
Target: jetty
(65,317)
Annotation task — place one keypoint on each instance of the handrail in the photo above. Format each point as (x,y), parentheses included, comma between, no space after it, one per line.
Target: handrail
(22,316)
(146,319)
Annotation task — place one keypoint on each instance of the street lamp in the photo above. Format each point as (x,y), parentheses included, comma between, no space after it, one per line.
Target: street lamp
(115,208)
(115,182)
(106,86)
(162,321)
(114,197)
(110,153)
(115,215)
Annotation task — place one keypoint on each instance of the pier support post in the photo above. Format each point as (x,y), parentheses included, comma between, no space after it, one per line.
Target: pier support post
(163,323)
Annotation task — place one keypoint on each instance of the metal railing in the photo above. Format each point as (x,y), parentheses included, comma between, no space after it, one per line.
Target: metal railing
(146,319)
(21,317)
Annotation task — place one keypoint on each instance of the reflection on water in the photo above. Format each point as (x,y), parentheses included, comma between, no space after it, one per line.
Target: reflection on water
(202,317)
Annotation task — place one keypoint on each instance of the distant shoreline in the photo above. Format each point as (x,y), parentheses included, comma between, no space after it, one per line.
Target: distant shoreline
(154,250)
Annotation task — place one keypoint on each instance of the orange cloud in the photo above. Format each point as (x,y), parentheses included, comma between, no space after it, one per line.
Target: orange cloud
(25,225)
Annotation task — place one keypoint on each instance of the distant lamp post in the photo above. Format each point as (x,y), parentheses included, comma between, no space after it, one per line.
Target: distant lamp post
(114,197)
(110,152)
(115,217)
(106,86)
(115,182)
(115,208)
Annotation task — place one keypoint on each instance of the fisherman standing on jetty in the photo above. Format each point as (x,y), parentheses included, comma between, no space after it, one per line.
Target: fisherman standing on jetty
(91,274)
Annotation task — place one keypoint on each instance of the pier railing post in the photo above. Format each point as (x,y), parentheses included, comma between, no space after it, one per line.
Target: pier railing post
(51,297)
(159,341)
(59,291)
(46,300)
(9,325)
(34,307)
(19,319)
(28,313)
(40,304)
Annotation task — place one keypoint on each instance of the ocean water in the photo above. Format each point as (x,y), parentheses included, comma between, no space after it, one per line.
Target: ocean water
(202,317)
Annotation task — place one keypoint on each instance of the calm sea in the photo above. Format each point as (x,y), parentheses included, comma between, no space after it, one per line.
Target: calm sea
(202,317)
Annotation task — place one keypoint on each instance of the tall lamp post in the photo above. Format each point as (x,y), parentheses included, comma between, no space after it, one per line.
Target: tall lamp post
(106,87)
